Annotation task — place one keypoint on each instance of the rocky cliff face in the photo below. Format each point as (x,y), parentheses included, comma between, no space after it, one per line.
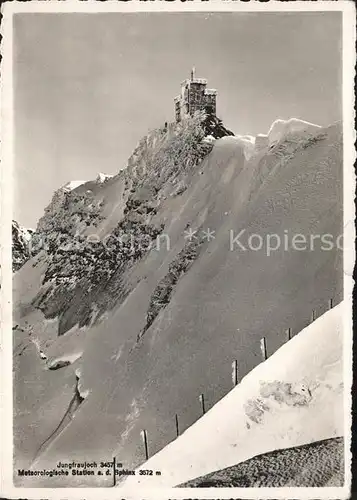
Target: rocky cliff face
(21,243)
(137,288)
(86,273)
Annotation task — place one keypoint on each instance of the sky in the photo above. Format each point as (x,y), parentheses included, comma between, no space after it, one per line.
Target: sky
(87,87)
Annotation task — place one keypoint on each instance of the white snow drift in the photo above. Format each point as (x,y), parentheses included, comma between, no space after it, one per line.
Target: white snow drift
(293,398)
(245,141)
(279,130)
(282,128)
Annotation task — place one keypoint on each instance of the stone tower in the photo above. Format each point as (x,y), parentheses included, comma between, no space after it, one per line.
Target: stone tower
(194,97)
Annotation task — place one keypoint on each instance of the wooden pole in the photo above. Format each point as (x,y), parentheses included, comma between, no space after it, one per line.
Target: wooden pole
(235,372)
(114,468)
(177,425)
(202,401)
(288,334)
(313,315)
(263,348)
(330,303)
(144,437)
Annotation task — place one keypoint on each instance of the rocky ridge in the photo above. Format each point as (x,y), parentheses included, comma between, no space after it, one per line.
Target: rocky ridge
(80,266)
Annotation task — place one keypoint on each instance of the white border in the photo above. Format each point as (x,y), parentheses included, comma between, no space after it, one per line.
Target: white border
(94,7)
(6,470)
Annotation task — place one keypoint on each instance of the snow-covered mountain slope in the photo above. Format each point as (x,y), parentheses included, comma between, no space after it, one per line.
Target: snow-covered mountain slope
(280,404)
(317,464)
(157,319)
(248,143)
(21,238)
(72,185)
(103,177)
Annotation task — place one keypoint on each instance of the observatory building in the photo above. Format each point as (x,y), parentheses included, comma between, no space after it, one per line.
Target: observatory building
(194,97)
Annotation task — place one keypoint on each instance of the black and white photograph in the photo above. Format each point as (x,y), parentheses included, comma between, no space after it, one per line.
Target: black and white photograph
(177,288)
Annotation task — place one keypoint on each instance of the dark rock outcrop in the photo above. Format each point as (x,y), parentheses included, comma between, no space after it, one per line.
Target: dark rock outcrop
(214,126)
(21,245)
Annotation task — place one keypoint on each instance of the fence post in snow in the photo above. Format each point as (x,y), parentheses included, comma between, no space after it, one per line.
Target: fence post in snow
(330,303)
(313,315)
(288,334)
(114,467)
(263,348)
(235,372)
(177,425)
(144,437)
(202,401)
